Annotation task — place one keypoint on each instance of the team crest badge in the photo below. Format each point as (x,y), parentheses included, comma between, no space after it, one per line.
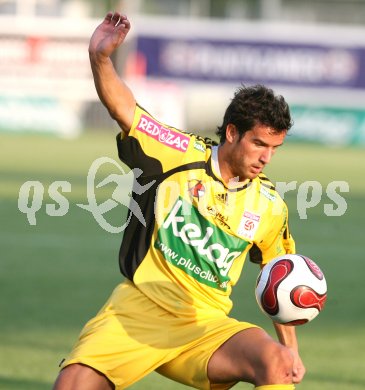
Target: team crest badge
(248,225)
(196,188)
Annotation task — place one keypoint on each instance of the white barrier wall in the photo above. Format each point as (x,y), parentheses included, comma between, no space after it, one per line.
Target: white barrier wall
(45,76)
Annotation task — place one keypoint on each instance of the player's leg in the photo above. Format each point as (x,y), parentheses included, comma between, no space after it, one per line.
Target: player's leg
(229,352)
(252,356)
(125,341)
(79,377)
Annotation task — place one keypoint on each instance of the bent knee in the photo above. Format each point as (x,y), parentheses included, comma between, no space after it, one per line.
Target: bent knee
(276,364)
(78,376)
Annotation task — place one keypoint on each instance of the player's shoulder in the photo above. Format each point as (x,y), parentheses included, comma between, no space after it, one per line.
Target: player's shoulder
(265,181)
(193,142)
(201,144)
(267,188)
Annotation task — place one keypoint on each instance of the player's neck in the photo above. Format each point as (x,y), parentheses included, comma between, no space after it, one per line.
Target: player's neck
(224,170)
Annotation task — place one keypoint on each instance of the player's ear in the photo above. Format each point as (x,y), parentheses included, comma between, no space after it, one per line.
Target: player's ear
(231,132)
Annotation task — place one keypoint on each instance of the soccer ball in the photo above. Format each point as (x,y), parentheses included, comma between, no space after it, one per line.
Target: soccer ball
(291,289)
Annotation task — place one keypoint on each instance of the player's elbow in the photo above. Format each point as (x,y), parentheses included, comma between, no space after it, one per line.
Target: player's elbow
(124,117)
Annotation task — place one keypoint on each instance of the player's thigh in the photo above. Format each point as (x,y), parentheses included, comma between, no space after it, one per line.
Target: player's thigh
(126,340)
(243,357)
(190,366)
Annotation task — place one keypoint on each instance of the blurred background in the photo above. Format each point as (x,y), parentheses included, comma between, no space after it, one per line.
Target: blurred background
(183,60)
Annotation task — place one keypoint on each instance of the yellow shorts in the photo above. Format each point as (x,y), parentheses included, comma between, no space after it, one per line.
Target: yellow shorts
(132,336)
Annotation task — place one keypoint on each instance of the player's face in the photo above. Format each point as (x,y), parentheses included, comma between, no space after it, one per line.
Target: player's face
(248,156)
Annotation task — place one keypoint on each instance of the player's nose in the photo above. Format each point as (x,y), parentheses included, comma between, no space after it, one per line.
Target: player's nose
(266,155)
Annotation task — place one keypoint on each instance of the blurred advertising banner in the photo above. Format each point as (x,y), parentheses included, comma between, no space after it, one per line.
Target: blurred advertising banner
(330,126)
(322,77)
(36,59)
(45,77)
(30,114)
(249,61)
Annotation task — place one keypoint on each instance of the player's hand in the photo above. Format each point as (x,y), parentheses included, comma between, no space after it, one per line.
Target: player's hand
(109,34)
(298,368)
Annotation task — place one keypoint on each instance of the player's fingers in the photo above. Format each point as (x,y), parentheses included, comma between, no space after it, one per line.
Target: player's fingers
(108,17)
(298,374)
(115,18)
(124,20)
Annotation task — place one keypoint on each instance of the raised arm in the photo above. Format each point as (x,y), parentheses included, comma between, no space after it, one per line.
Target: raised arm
(112,91)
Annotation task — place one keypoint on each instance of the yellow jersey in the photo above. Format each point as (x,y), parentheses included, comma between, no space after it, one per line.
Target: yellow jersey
(198,230)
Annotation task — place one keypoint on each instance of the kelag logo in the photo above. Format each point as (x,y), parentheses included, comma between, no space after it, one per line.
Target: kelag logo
(192,243)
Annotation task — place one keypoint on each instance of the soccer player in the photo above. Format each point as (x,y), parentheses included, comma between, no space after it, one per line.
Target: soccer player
(206,208)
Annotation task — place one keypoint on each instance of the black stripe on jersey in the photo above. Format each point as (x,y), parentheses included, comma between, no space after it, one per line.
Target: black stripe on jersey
(268,186)
(240,188)
(255,254)
(263,177)
(137,237)
(286,234)
(129,147)
(210,173)
(207,141)
(265,182)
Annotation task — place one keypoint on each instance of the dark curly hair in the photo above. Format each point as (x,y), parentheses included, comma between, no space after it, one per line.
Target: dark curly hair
(256,105)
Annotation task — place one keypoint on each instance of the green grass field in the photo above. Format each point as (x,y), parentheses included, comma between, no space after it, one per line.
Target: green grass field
(56,274)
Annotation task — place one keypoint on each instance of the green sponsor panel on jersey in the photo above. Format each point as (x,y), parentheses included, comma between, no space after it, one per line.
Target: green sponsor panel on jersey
(190,242)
